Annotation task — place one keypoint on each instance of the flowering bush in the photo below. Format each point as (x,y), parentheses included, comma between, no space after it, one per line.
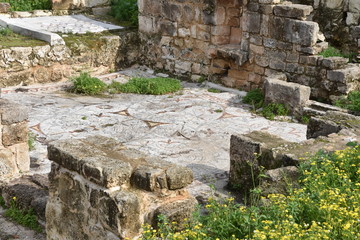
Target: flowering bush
(325,206)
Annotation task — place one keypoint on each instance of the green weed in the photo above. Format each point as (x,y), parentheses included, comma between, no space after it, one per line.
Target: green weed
(334,52)
(153,86)
(305,119)
(218,110)
(324,206)
(255,98)
(23,217)
(272,110)
(214,90)
(29,5)
(2,202)
(87,85)
(31,140)
(5,32)
(351,102)
(125,10)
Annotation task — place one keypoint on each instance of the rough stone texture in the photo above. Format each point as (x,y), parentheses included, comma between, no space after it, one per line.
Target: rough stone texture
(41,64)
(292,95)
(254,151)
(77,4)
(107,191)
(14,149)
(4,7)
(277,180)
(297,11)
(30,192)
(332,122)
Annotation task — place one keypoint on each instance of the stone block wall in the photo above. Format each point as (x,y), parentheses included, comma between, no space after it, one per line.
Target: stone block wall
(14,148)
(180,35)
(78,4)
(338,19)
(101,190)
(41,64)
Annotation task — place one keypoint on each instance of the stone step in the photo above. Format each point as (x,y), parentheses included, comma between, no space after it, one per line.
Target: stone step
(233,51)
(325,107)
(296,11)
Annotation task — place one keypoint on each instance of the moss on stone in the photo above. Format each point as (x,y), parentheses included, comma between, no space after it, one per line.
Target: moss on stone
(17,40)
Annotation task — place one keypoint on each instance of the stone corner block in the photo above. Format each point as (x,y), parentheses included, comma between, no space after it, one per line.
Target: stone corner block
(12,112)
(296,11)
(293,95)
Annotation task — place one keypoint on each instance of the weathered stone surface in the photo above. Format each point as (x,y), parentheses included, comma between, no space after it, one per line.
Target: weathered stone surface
(277,180)
(12,112)
(332,122)
(334,62)
(14,133)
(30,192)
(4,7)
(98,187)
(297,11)
(293,95)
(300,32)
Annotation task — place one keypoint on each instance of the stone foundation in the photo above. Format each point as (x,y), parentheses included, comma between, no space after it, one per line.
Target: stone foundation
(101,190)
(14,148)
(42,64)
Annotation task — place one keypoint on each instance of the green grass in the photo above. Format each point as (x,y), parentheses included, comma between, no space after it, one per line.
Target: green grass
(125,10)
(87,85)
(2,202)
(334,52)
(214,90)
(31,141)
(351,102)
(10,39)
(23,217)
(153,86)
(324,206)
(255,98)
(272,110)
(29,5)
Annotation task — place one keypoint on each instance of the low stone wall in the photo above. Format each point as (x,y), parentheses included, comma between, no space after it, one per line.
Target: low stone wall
(101,190)
(40,64)
(14,148)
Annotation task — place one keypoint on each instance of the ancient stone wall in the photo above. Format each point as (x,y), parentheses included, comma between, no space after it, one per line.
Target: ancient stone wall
(78,4)
(14,148)
(240,43)
(180,35)
(339,20)
(101,190)
(40,64)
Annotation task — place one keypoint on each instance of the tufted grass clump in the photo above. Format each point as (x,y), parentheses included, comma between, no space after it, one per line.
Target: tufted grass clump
(153,86)
(87,85)
(351,102)
(272,110)
(125,10)
(326,205)
(255,98)
(4,32)
(23,217)
(29,5)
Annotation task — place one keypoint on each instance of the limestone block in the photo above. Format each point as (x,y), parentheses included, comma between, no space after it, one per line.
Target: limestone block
(332,122)
(297,11)
(354,6)
(21,156)
(334,62)
(4,7)
(12,112)
(277,180)
(346,75)
(147,24)
(304,33)
(352,18)
(293,95)
(335,4)
(252,22)
(14,133)
(101,11)
(7,162)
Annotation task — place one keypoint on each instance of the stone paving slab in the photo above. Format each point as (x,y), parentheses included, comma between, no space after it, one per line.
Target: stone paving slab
(191,128)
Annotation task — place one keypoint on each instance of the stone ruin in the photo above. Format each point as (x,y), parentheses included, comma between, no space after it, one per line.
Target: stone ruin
(14,148)
(101,190)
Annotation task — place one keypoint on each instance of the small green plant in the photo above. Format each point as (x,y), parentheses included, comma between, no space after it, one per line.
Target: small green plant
(274,109)
(218,110)
(2,202)
(87,85)
(351,102)
(31,140)
(334,52)
(83,118)
(5,32)
(23,217)
(153,86)
(29,5)
(125,10)
(255,98)
(214,90)
(305,119)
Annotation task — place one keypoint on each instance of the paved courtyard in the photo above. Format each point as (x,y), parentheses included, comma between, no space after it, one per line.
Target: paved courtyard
(191,128)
